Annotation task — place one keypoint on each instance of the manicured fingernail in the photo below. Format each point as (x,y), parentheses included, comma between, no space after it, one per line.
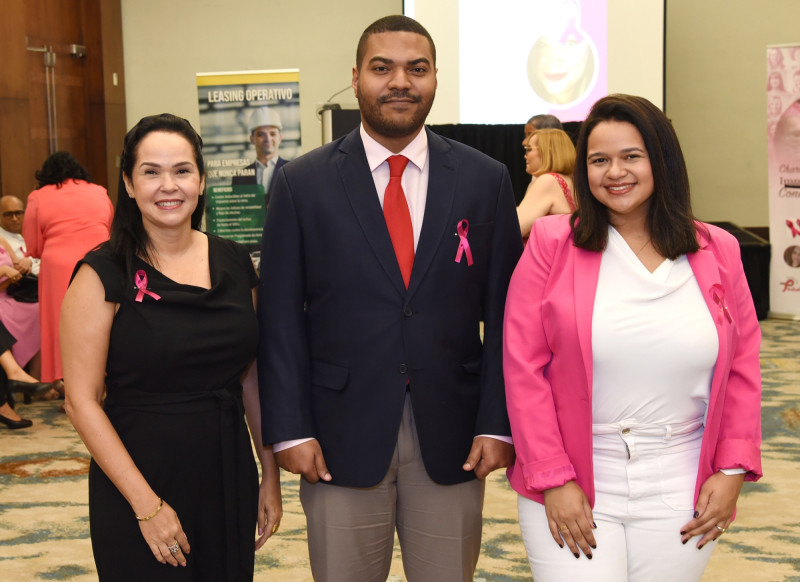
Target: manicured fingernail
(593,547)
(700,547)
(576,554)
(589,556)
(261,531)
(683,532)
(696,515)
(594,525)
(684,541)
(561,546)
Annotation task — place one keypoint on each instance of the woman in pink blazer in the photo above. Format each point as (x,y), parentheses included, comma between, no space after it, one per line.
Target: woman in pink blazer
(631,366)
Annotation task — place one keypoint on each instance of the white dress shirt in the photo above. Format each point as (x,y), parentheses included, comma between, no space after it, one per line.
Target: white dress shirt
(17,244)
(264,172)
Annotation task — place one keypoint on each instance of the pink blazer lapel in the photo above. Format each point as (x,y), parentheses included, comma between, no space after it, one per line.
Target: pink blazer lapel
(587,271)
(706,272)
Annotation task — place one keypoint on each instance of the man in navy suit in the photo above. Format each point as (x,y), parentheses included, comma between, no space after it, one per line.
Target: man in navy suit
(265,135)
(375,384)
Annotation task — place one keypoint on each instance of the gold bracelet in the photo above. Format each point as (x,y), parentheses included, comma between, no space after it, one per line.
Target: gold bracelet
(152,515)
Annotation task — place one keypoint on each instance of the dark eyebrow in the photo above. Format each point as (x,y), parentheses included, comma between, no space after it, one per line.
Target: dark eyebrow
(155,165)
(413,62)
(625,151)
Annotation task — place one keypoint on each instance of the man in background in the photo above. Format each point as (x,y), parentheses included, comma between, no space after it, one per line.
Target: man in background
(541,121)
(12,211)
(265,135)
(382,253)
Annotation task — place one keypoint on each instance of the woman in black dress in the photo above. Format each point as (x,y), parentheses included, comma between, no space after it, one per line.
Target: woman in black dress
(161,318)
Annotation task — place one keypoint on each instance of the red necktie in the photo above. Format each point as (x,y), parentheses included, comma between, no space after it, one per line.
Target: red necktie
(398,218)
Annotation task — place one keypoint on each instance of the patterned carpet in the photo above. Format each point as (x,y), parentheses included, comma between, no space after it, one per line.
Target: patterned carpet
(44,517)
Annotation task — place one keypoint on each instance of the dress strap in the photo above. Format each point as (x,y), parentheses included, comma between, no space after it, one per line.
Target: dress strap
(565,188)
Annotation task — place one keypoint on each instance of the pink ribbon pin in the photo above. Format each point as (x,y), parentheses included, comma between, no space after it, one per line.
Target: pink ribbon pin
(140,281)
(463,244)
(718,295)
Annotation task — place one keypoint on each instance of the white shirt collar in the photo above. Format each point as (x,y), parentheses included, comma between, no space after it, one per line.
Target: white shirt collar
(416,151)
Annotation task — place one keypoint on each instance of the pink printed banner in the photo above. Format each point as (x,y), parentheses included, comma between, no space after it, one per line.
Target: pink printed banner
(783,135)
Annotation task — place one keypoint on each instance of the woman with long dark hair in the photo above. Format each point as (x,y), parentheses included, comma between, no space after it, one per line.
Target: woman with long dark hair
(631,366)
(162,319)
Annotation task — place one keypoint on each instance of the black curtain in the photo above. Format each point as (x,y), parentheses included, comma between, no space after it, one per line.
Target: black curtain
(501,142)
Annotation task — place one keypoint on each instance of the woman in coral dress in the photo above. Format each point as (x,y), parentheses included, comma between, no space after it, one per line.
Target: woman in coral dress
(65,218)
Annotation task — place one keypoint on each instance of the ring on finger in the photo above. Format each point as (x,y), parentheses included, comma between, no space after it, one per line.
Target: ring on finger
(174,548)
(721,529)
(275,528)
(564,529)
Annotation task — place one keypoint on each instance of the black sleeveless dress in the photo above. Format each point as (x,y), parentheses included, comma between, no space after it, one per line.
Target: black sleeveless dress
(174,397)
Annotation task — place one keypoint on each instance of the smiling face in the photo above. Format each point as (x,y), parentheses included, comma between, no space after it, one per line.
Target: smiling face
(560,70)
(267,139)
(796,257)
(165,181)
(619,171)
(395,84)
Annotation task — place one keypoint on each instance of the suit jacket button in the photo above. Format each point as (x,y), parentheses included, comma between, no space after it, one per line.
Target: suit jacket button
(407,311)
(402,369)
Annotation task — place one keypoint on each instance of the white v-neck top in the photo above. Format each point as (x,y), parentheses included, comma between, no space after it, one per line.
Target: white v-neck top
(654,343)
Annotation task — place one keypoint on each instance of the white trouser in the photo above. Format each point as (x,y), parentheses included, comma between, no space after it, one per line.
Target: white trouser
(644,478)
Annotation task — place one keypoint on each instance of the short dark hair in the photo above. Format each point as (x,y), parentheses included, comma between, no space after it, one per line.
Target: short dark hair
(128,236)
(671,224)
(60,167)
(545,121)
(393,23)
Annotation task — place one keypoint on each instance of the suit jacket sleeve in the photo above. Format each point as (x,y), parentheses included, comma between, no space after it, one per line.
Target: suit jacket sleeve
(283,359)
(505,251)
(739,441)
(526,355)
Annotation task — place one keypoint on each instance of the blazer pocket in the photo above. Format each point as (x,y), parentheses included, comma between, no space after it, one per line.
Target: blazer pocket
(479,234)
(472,367)
(329,375)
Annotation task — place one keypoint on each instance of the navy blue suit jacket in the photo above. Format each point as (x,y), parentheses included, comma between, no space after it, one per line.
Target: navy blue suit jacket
(341,337)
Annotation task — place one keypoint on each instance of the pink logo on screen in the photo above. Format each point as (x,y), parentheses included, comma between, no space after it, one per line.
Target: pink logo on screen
(789,285)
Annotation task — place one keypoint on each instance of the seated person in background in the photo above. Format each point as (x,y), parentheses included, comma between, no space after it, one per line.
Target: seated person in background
(549,159)
(12,211)
(7,415)
(21,319)
(14,379)
(541,121)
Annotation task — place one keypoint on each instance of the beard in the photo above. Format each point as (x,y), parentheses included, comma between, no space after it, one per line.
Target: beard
(393,127)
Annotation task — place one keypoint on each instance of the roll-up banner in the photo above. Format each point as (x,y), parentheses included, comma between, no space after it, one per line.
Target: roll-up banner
(250,125)
(783,135)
